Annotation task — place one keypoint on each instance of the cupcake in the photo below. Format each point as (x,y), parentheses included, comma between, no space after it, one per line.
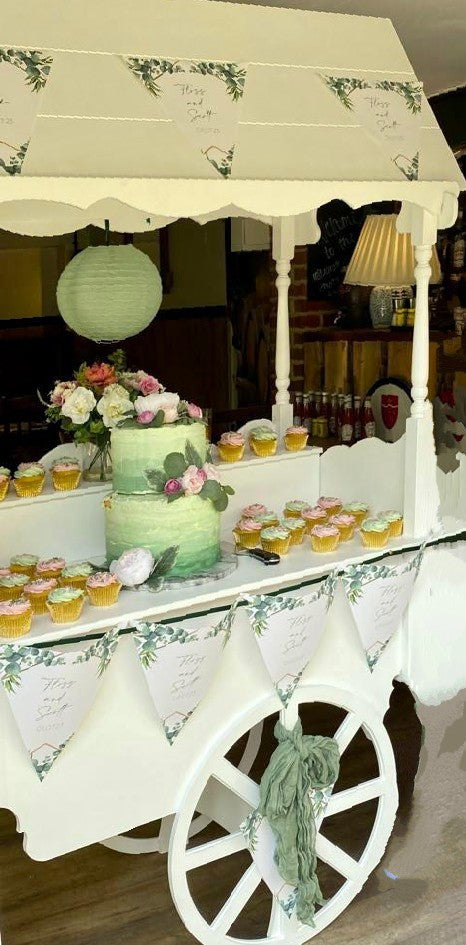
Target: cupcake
(51,568)
(12,585)
(294,508)
(29,479)
(324,538)
(330,504)
(15,618)
(296,438)
(37,592)
(247,533)
(374,533)
(76,575)
(252,510)
(103,589)
(296,528)
(313,516)
(231,447)
(4,572)
(65,604)
(277,539)
(267,519)
(263,441)
(5,476)
(345,523)
(359,509)
(66,474)
(23,564)
(395,521)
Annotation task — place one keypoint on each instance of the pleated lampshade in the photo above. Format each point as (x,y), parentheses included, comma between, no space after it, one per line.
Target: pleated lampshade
(383,256)
(108,293)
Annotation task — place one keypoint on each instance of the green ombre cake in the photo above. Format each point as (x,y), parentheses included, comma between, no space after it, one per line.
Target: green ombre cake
(137,448)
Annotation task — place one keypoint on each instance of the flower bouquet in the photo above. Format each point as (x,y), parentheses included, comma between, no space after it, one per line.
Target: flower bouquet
(104,395)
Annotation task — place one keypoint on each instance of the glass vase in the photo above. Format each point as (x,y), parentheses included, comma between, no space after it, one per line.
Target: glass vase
(100,465)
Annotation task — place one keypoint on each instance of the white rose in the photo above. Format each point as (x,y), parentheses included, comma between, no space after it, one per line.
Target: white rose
(133,567)
(114,405)
(155,402)
(78,405)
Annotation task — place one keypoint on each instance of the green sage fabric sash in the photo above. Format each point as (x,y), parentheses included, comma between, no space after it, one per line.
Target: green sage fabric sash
(298,764)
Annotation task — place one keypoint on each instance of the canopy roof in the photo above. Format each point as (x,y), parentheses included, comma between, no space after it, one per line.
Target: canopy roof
(297,97)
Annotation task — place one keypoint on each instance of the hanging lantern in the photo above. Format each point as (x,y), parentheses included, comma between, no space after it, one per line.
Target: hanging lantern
(108,293)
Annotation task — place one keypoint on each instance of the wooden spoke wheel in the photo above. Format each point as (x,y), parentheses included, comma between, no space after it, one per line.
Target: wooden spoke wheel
(226,795)
(159,844)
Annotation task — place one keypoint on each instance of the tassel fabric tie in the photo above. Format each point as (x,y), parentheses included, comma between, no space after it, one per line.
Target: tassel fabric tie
(299,764)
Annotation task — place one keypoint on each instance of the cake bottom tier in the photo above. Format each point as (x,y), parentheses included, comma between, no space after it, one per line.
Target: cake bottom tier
(150,521)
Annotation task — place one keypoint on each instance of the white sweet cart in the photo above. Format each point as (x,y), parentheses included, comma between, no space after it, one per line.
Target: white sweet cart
(101,147)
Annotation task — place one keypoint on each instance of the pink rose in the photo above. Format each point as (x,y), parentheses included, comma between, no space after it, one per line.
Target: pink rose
(172,486)
(149,385)
(202,473)
(211,472)
(145,417)
(194,411)
(192,481)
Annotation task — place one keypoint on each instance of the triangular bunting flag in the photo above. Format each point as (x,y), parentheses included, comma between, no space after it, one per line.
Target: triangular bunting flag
(179,664)
(203,98)
(378,596)
(390,111)
(287,630)
(23,76)
(50,692)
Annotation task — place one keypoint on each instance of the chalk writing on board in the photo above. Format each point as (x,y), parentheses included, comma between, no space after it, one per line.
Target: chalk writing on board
(340,227)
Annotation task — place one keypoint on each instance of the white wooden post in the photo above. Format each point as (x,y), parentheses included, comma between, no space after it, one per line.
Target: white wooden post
(421,496)
(283,245)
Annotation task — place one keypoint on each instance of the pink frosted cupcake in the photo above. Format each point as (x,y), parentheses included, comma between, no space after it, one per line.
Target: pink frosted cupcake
(66,474)
(252,510)
(331,504)
(52,568)
(345,523)
(296,438)
(313,516)
(103,589)
(4,572)
(37,592)
(15,618)
(231,447)
(248,533)
(324,538)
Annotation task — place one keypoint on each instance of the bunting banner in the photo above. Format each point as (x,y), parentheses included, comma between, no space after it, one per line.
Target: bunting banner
(390,111)
(179,664)
(202,98)
(378,596)
(23,77)
(50,692)
(287,631)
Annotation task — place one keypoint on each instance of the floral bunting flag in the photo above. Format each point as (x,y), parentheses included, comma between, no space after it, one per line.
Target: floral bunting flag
(287,630)
(51,691)
(390,111)
(23,76)
(378,596)
(203,98)
(179,664)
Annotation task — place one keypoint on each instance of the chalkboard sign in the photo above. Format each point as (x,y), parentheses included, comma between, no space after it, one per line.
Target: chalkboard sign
(340,227)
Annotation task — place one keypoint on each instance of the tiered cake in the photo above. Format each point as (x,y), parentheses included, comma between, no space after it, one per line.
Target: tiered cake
(166,495)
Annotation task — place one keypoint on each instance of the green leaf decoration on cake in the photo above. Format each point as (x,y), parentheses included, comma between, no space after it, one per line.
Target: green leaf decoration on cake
(175,465)
(166,561)
(192,456)
(159,419)
(156,479)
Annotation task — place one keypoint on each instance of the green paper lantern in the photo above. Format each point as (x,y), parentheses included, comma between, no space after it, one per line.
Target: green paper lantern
(108,293)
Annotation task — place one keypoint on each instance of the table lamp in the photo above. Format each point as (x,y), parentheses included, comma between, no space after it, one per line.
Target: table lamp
(384,259)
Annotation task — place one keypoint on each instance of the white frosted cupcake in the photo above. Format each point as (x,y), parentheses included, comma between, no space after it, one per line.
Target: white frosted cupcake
(395,521)
(374,533)
(276,539)
(65,604)
(29,480)
(294,508)
(296,527)
(263,441)
(12,586)
(359,509)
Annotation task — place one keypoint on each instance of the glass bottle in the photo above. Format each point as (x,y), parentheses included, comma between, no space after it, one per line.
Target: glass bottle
(332,418)
(341,410)
(347,427)
(357,419)
(306,419)
(368,424)
(298,410)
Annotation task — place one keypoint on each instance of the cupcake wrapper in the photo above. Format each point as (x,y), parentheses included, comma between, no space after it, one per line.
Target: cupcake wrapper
(74,581)
(38,602)
(247,539)
(15,625)
(104,596)
(66,612)
(263,447)
(278,545)
(4,486)
(291,513)
(11,593)
(30,570)
(375,539)
(230,454)
(45,575)
(360,517)
(66,481)
(297,535)
(327,544)
(334,510)
(29,487)
(396,528)
(295,441)
(346,532)
(310,523)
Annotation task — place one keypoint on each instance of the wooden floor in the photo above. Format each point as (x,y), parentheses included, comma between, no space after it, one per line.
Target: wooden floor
(98,897)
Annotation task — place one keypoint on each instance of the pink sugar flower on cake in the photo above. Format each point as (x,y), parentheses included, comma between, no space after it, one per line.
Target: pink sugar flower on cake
(172,487)
(149,385)
(193,480)
(211,472)
(194,411)
(145,417)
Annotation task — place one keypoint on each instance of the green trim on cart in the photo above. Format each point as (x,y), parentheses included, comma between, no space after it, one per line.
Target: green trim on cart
(435,542)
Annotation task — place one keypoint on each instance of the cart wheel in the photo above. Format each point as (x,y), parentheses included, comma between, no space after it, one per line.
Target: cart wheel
(159,844)
(226,794)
